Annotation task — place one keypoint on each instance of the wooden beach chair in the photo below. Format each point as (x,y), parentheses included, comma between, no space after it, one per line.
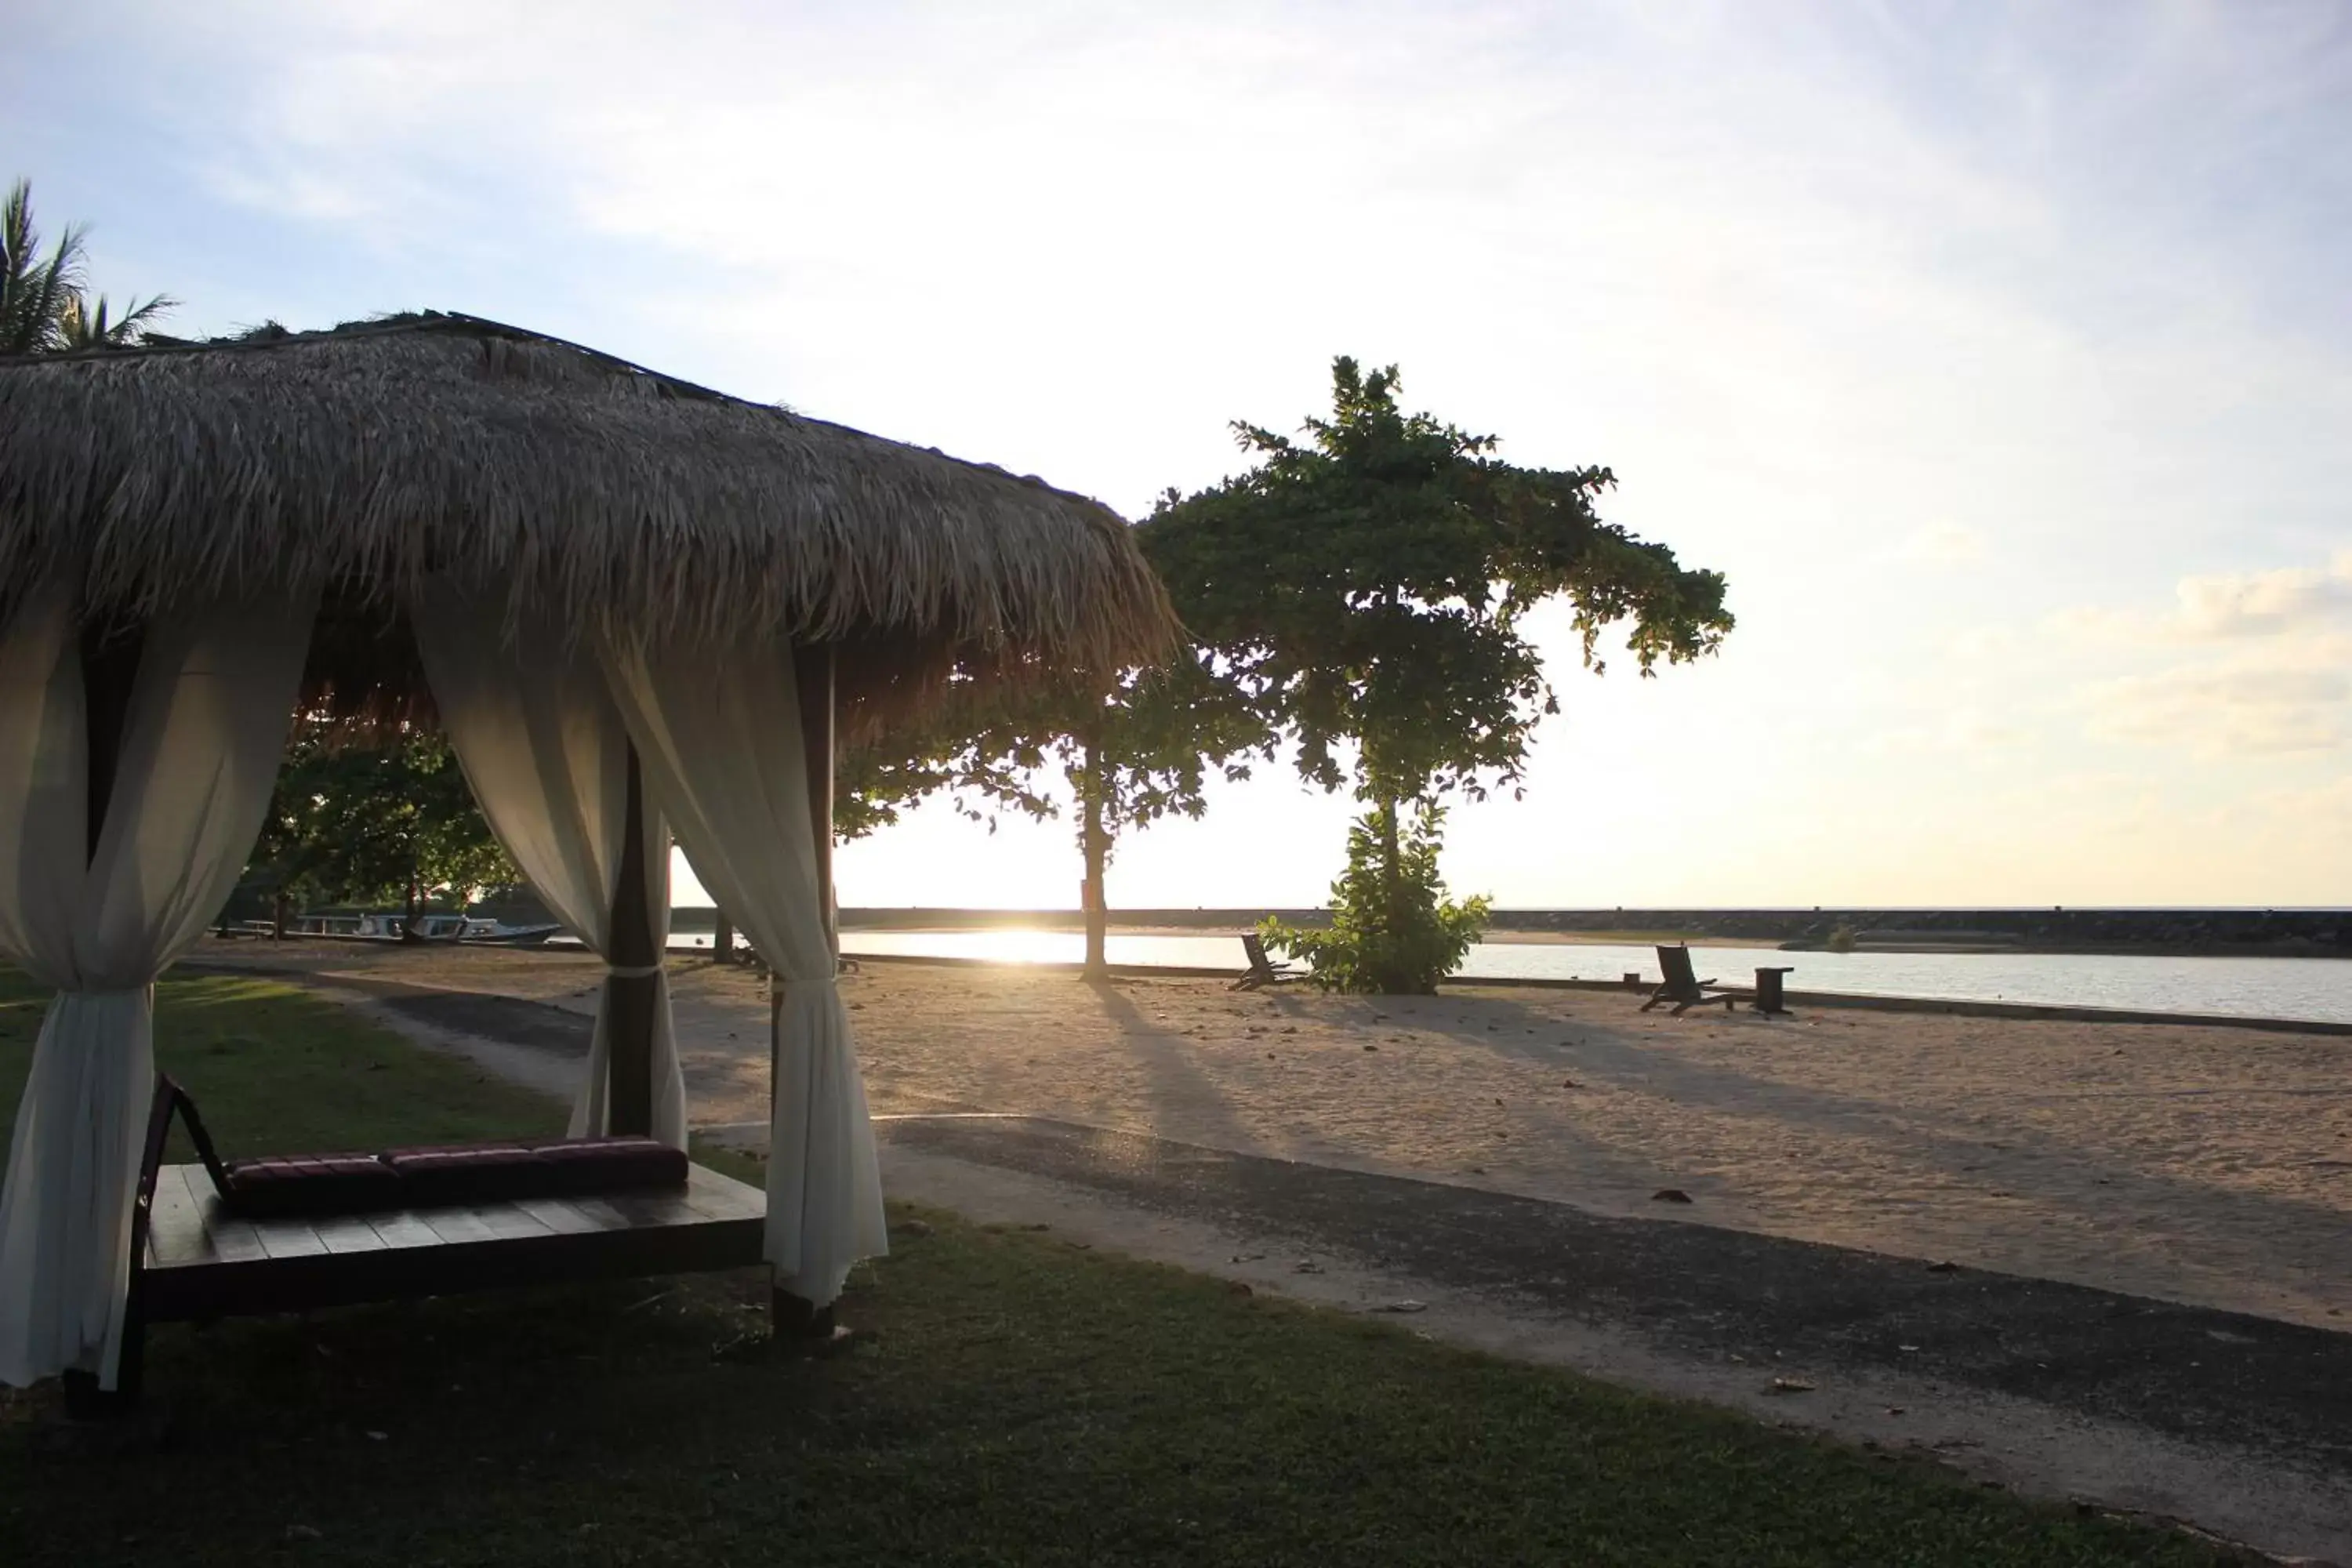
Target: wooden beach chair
(1683,987)
(1263,971)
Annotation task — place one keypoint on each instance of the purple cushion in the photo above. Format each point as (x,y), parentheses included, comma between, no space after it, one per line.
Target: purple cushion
(581,1166)
(475,1173)
(302,1184)
(319,1185)
(565,1167)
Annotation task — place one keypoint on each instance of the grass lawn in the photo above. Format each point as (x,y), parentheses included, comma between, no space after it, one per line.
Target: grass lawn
(1018,1401)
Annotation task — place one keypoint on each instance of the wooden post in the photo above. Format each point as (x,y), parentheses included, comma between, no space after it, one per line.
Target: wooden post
(796,1317)
(110,668)
(812,673)
(629,1092)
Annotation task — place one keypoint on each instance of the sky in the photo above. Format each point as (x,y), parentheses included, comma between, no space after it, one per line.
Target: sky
(2000,355)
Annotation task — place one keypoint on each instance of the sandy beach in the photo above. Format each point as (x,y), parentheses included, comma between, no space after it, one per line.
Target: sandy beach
(2204,1165)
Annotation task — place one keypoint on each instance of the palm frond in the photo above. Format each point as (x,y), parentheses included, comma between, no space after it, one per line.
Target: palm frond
(84,325)
(42,308)
(132,327)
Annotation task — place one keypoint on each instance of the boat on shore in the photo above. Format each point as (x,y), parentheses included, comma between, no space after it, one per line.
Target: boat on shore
(391,925)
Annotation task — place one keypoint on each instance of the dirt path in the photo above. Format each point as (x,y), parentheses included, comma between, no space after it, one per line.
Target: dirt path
(1492,1162)
(2211,1166)
(2240,1426)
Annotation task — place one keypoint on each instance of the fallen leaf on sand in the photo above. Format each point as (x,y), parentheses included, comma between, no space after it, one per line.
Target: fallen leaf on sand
(1404,1306)
(1790,1385)
(1307,1265)
(1569,1083)
(1669,1196)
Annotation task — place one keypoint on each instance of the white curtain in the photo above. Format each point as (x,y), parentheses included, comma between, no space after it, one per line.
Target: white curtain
(544,748)
(202,741)
(718,734)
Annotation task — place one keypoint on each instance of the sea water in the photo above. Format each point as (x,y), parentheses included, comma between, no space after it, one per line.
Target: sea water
(2316,988)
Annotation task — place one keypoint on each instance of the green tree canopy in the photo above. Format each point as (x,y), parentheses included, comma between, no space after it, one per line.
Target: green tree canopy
(1143,751)
(1129,756)
(388,819)
(1367,587)
(972,746)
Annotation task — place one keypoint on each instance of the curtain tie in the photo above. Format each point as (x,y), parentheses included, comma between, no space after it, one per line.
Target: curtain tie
(632,971)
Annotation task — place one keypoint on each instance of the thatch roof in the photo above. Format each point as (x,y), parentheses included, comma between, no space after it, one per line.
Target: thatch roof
(372,456)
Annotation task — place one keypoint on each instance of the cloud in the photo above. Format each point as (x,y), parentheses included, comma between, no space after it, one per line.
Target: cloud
(2238,664)
(2097,626)
(1962,731)
(1945,544)
(1909,318)
(2258,708)
(2263,604)
(2260,670)
(2278,605)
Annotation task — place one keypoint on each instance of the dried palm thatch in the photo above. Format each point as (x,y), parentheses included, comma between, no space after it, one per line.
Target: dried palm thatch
(373,459)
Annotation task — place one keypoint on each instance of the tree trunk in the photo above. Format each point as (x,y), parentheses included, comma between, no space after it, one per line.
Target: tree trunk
(278,916)
(408,926)
(1391,878)
(1096,844)
(722,938)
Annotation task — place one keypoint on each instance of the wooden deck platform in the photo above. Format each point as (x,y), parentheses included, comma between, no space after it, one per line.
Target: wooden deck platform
(202,1261)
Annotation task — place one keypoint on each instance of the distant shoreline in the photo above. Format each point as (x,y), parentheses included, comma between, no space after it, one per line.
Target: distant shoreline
(2136,933)
(1500,938)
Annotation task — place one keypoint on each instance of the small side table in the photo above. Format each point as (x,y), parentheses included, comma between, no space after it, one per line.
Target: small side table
(1770,999)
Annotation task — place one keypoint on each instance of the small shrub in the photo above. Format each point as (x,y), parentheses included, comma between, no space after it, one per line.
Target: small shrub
(1840,940)
(1392,933)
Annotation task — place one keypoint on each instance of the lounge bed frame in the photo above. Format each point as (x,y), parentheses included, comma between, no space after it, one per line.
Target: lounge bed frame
(193,1259)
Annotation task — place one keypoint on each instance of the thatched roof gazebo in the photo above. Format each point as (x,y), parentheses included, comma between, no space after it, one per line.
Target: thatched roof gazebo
(634,605)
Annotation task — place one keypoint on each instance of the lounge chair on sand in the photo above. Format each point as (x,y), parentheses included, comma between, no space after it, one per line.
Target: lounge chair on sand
(1683,986)
(1263,971)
